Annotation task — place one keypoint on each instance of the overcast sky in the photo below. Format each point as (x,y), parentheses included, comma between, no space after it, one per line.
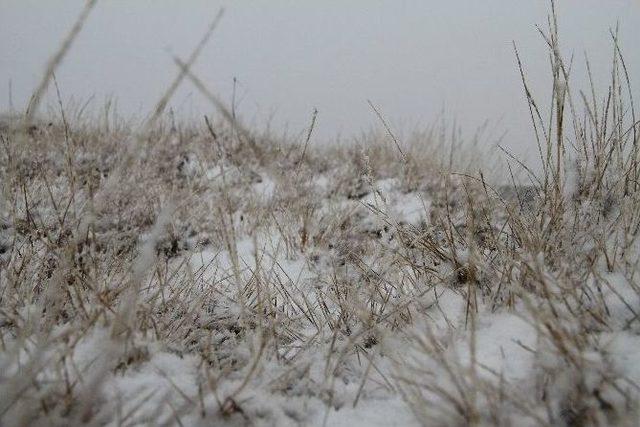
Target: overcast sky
(413,59)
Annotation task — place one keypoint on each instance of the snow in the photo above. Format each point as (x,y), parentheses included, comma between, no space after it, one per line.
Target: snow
(504,345)
(265,188)
(265,251)
(410,208)
(623,349)
(372,412)
(311,304)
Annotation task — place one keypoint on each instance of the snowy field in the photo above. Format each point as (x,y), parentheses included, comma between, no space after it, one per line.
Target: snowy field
(197,274)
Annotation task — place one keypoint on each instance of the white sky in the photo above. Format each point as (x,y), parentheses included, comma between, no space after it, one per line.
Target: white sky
(413,59)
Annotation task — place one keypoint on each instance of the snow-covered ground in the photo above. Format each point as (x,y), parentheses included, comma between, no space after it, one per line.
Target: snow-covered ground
(205,274)
(216,285)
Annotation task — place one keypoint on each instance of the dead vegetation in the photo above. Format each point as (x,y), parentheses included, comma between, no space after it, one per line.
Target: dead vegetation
(174,274)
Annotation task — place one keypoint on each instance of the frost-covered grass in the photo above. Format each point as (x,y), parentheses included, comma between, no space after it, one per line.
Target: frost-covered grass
(206,274)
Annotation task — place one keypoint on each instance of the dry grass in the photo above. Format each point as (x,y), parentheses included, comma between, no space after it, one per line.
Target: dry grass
(171,274)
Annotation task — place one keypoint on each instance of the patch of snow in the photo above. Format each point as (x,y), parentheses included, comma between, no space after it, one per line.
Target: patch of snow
(623,350)
(373,412)
(411,209)
(266,188)
(501,347)
(322,182)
